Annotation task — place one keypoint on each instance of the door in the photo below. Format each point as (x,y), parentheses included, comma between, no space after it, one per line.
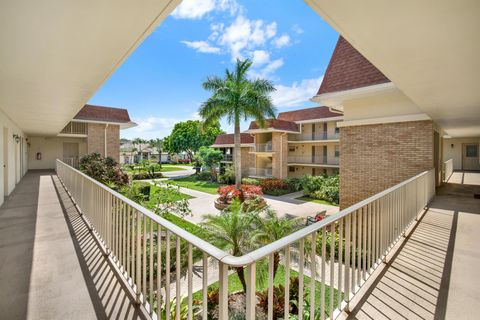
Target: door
(70,153)
(470,159)
(324,155)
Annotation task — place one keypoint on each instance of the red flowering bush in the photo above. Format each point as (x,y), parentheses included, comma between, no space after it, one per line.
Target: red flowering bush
(246,192)
(269,185)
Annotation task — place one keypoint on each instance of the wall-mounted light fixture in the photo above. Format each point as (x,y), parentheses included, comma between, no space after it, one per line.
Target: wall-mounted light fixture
(16,137)
(452,145)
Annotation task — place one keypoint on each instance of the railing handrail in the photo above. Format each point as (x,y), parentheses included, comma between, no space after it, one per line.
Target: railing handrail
(251,257)
(200,243)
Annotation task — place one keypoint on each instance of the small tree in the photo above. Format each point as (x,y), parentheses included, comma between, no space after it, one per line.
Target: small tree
(210,158)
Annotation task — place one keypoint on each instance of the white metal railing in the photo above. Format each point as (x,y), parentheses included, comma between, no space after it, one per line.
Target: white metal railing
(260,172)
(263,147)
(228,157)
(317,136)
(447,169)
(312,160)
(143,245)
(72,161)
(75,128)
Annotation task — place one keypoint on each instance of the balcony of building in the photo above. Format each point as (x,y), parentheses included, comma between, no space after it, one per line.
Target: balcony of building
(415,254)
(319,161)
(314,137)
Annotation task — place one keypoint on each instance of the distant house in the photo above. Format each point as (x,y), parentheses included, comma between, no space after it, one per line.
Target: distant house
(93,129)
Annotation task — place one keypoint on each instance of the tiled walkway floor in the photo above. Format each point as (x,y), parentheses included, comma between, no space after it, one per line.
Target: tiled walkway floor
(50,265)
(434,275)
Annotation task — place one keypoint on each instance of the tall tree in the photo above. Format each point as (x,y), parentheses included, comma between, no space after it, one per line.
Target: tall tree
(189,136)
(237,98)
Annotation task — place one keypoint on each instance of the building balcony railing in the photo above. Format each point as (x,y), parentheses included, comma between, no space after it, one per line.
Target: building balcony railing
(314,137)
(260,172)
(228,157)
(264,147)
(447,169)
(80,128)
(313,160)
(72,162)
(157,257)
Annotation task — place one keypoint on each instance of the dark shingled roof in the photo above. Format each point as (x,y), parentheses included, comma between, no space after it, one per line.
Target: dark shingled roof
(348,69)
(277,124)
(245,138)
(308,114)
(104,114)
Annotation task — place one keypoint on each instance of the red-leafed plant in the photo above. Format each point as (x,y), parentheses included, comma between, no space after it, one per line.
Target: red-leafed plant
(273,184)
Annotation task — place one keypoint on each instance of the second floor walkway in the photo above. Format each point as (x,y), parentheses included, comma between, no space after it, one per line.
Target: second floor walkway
(51,267)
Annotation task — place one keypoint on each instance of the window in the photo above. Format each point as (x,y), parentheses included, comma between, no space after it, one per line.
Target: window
(337,129)
(471,151)
(291,169)
(291,149)
(337,151)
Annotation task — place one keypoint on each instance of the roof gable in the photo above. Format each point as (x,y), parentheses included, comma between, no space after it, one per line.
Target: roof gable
(349,69)
(308,114)
(103,114)
(245,138)
(276,124)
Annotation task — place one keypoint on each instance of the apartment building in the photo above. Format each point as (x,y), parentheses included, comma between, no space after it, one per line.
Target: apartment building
(385,137)
(298,142)
(93,129)
(224,143)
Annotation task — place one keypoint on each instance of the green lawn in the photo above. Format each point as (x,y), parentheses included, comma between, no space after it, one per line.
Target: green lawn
(166,168)
(234,285)
(309,199)
(191,183)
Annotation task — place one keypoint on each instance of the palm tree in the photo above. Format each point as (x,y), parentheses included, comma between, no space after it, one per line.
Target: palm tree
(232,231)
(271,228)
(237,98)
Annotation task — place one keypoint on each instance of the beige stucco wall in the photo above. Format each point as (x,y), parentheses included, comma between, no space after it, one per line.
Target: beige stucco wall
(387,104)
(456,152)
(16,155)
(51,149)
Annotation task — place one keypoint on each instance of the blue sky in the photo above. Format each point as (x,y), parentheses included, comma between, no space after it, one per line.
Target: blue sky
(160,83)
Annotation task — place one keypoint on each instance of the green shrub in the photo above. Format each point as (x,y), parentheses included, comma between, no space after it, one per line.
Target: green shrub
(144,188)
(321,187)
(251,181)
(228,177)
(146,175)
(203,176)
(295,184)
(105,170)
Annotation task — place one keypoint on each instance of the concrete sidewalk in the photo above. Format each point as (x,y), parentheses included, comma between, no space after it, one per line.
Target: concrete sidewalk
(50,265)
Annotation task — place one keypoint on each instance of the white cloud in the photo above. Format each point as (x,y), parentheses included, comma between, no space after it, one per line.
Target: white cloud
(196,9)
(244,34)
(282,41)
(297,93)
(296,28)
(267,71)
(151,128)
(201,46)
(260,57)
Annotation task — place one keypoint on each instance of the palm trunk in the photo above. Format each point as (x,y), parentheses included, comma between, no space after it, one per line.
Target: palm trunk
(241,276)
(276,262)
(238,154)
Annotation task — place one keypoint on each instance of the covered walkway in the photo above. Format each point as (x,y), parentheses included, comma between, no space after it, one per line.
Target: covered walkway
(434,273)
(51,267)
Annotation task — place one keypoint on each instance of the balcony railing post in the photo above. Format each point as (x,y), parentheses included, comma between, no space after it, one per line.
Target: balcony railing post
(251,289)
(223,291)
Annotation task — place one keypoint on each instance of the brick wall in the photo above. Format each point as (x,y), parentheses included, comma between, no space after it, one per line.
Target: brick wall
(376,157)
(96,140)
